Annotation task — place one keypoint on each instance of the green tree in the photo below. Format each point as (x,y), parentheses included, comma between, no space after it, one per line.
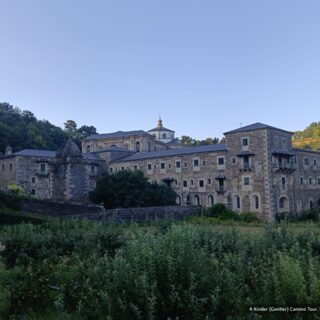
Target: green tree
(127,189)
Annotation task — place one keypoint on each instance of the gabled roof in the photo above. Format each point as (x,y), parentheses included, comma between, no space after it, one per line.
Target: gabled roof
(118,134)
(254,126)
(36,153)
(69,148)
(174,152)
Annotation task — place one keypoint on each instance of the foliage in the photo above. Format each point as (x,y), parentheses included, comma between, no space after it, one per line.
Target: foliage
(309,138)
(11,200)
(192,142)
(306,215)
(127,189)
(71,269)
(22,130)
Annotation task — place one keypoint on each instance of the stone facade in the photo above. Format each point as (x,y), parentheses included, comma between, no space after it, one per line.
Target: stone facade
(256,170)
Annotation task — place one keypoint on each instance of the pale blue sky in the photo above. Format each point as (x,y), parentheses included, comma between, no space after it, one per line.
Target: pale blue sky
(206,66)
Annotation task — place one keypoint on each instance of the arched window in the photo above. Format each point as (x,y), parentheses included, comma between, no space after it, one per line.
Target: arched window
(284,203)
(255,202)
(88,149)
(210,200)
(137,146)
(236,202)
(178,200)
(196,200)
(310,204)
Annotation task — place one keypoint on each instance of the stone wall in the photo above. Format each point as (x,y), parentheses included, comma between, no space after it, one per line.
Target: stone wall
(98,213)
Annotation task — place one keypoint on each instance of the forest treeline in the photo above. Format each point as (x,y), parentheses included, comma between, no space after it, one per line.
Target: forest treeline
(20,129)
(309,138)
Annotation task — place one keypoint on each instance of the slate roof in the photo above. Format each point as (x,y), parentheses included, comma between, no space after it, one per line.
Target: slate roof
(91,156)
(174,152)
(160,129)
(69,148)
(117,134)
(36,153)
(254,126)
(116,148)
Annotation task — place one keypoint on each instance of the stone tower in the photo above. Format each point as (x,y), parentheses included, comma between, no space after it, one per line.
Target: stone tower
(161,133)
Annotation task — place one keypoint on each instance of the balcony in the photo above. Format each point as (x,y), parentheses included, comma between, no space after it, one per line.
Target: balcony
(246,168)
(220,190)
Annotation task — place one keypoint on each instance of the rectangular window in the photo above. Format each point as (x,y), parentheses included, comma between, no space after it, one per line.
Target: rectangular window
(185,183)
(149,166)
(185,164)
(192,182)
(201,183)
(92,169)
(301,180)
(284,141)
(306,161)
(196,163)
(245,162)
(178,164)
(33,192)
(209,181)
(42,167)
(283,183)
(314,162)
(10,166)
(318,180)
(245,142)
(122,168)
(246,181)
(204,163)
(162,166)
(310,180)
(135,167)
(3,167)
(33,180)
(221,161)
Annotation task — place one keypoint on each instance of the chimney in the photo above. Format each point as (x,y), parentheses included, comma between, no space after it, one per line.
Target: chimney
(8,151)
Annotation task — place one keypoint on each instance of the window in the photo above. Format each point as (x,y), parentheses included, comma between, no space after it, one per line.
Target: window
(201,183)
(3,167)
(10,166)
(306,161)
(162,166)
(135,167)
(88,149)
(283,183)
(275,140)
(164,136)
(245,162)
(238,204)
(209,181)
(256,202)
(314,162)
(185,164)
(245,142)
(33,180)
(111,170)
(178,164)
(169,166)
(185,183)
(42,167)
(310,180)
(234,161)
(210,201)
(318,180)
(196,163)
(33,192)
(284,203)
(220,161)
(284,141)
(149,166)
(301,180)
(92,169)
(246,181)
(137,146)
(204,163)
(122,168)
(191,182)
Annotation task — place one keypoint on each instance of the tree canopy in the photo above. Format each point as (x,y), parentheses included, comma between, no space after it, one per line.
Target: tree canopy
(193,142)
(22,130)
(128,189)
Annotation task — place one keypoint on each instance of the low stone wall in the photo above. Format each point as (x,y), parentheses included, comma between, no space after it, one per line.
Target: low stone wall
(146,214)
(58,209)
(98,213)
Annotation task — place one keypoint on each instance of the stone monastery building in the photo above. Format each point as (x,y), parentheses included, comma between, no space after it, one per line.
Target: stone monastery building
(257,169)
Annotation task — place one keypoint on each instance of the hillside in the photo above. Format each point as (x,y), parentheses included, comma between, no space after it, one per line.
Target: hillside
(22,130)
(309,138)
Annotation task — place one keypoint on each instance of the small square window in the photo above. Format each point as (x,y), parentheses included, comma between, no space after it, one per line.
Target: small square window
(245,142)
(220,161)
(246,181)
(149,166)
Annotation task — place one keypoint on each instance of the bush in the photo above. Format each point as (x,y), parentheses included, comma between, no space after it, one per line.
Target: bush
(128,189)
(11,201)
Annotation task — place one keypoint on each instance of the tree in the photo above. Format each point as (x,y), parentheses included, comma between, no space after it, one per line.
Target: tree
(70,126)
(127,189)
(86,131)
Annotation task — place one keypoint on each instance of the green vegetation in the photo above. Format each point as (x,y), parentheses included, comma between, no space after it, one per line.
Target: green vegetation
(22,130)
(309,138)
(81,270)
(128,189)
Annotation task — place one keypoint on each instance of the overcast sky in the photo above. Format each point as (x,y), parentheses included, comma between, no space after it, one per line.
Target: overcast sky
(205,66)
